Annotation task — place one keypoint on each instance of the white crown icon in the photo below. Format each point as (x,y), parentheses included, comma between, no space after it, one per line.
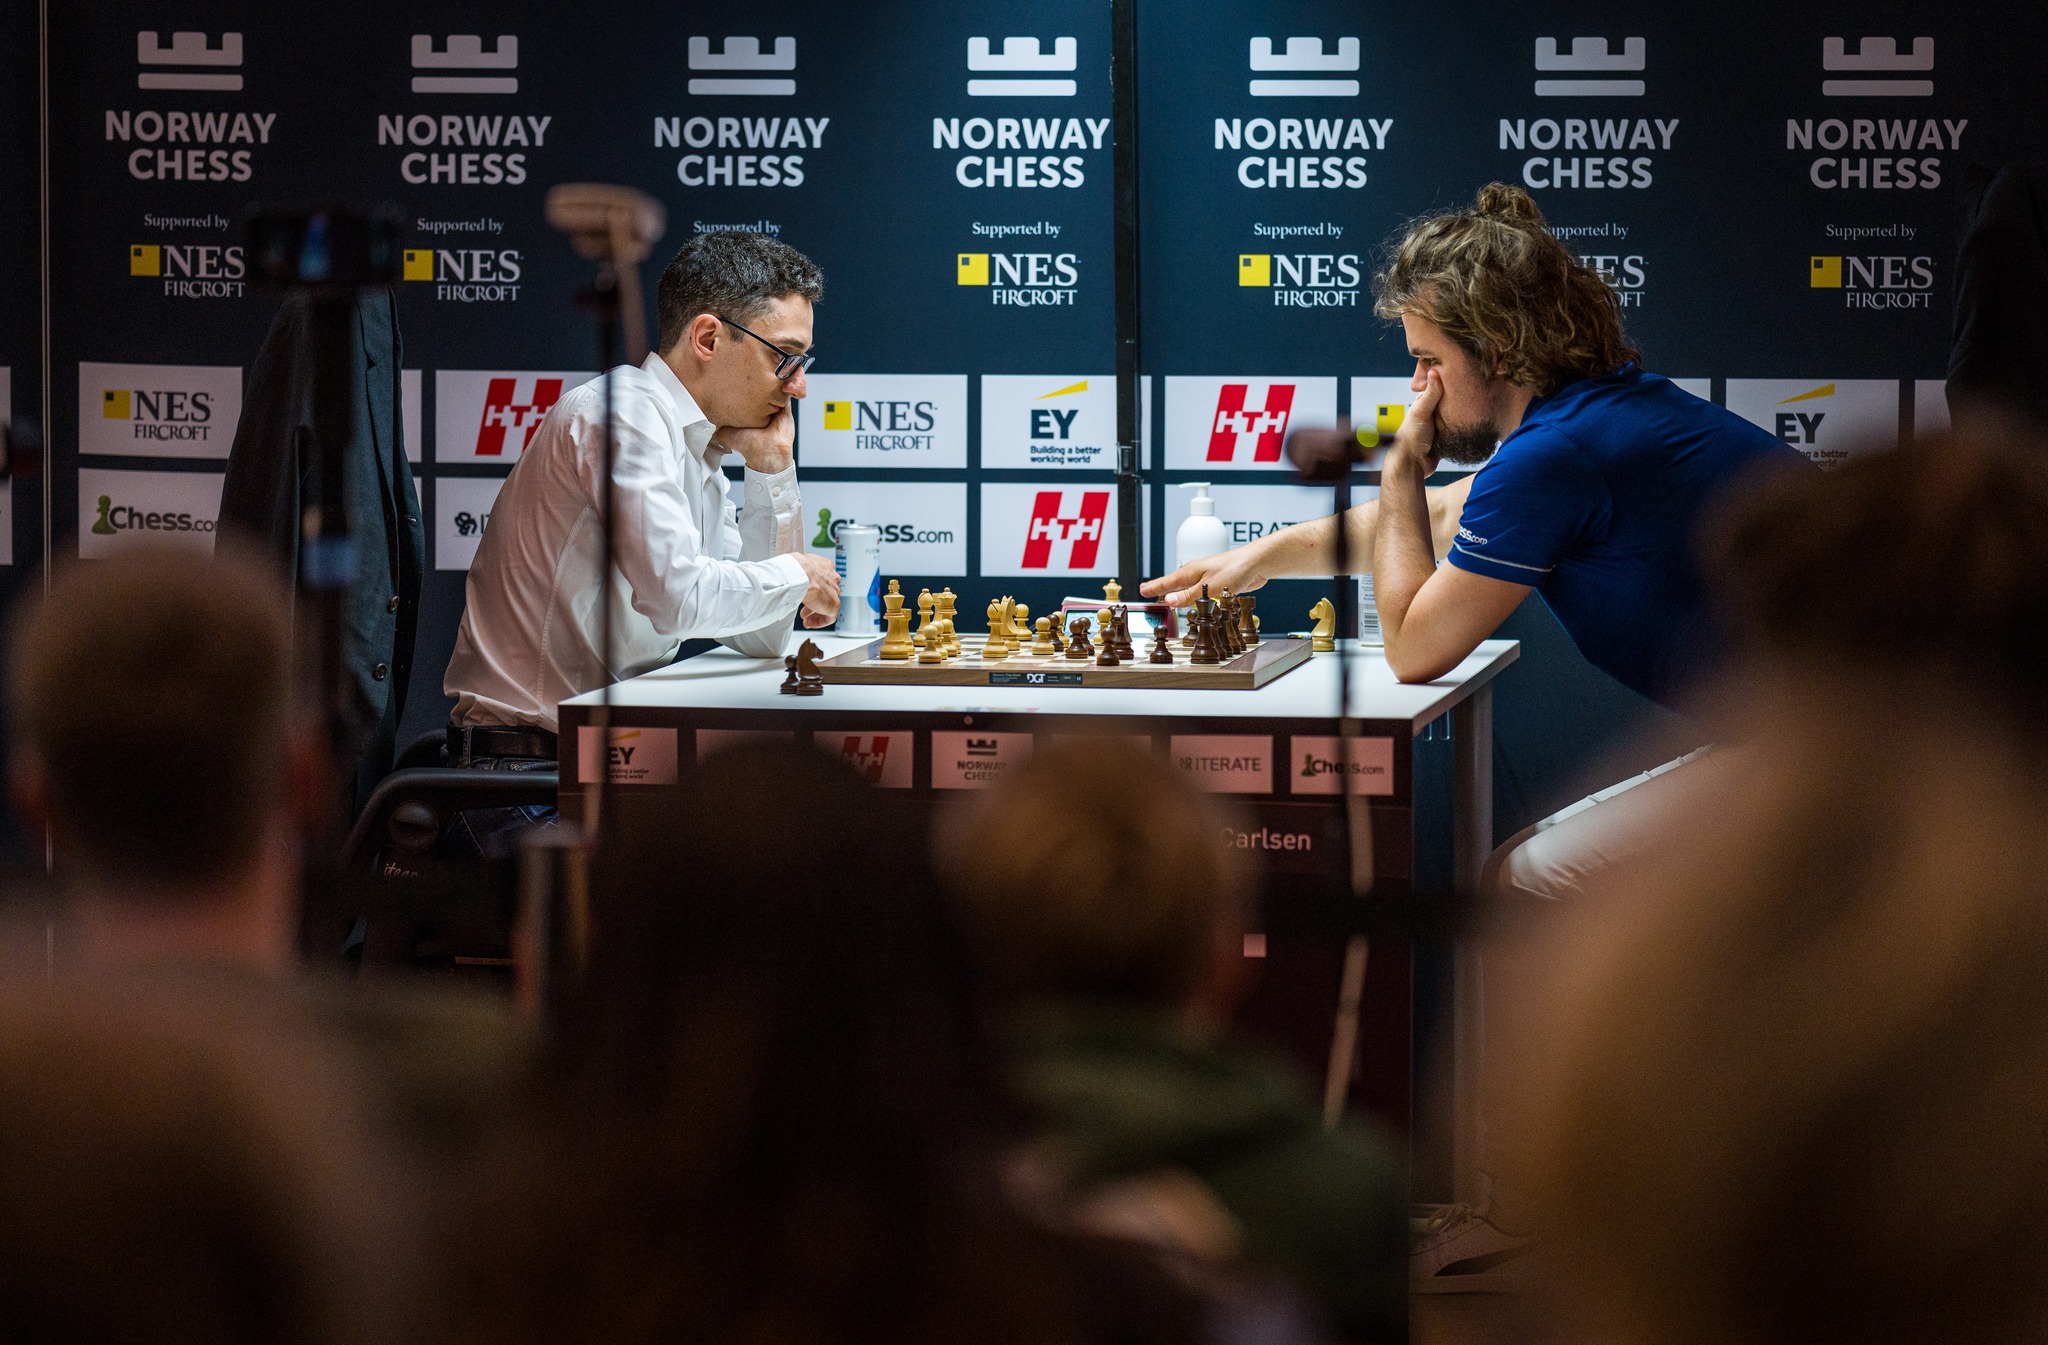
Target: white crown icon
(1022,55)
(187,49)
(465,51)
(743,53)
(1589,55)
(1876,54)
(1304,54)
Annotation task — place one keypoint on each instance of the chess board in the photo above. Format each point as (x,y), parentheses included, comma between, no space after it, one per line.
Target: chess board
(1254,668)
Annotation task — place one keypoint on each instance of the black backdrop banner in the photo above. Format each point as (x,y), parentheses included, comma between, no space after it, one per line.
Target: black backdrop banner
(1772,191)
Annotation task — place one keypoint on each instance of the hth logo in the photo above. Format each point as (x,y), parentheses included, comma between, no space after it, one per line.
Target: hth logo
(188,49)
(1021,55)
(1304,54)
(880,759)
(1589,55)
(465,51)
(1876,54)
(743,53)
(1082,530)
(1263,427)
(503,414)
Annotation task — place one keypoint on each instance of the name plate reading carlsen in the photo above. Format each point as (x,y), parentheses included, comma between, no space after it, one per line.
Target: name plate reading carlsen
(1228,763)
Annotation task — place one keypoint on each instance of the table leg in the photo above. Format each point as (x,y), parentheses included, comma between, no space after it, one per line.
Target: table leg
(1472,842)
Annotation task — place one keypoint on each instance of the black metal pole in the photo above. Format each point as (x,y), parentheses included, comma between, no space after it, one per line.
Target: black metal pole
(1123,84)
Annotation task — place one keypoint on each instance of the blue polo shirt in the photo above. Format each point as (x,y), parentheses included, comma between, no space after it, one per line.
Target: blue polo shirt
(1596,501)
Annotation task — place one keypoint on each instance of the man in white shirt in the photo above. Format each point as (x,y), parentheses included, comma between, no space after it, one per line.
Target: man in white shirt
(734,313)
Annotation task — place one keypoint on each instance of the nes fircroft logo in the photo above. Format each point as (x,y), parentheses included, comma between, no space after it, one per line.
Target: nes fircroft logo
(1021,279)
(491,416)
(189,50)
(1021,61)
(1302,279)
(1875,282)
(466,275)
(1242,424)
(1590,56)
(737,69)
(1878,56)
(465,51)
(883,420)
(158,410)
(1304,55)
(191,270)
(883,760)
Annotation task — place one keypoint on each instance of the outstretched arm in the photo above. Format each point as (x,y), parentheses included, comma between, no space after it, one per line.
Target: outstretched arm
(1307,549)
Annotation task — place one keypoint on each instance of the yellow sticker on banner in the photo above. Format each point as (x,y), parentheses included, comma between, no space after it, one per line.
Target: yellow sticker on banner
(1255,268)
(145,259)
(1827,274)
(839,415)
(973,268)
(1387,418)
(115,404)
(419,264)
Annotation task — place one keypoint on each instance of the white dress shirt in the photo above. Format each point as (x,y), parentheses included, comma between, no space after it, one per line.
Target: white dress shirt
(686,566)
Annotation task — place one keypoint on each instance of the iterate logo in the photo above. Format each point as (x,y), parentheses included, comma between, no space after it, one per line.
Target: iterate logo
(1908,166)
(883,760)
(1228,763)
(1021,279)
(462,511)
(191,270)
(1248,513)
(1302,279)
(1829,422)
(466,275)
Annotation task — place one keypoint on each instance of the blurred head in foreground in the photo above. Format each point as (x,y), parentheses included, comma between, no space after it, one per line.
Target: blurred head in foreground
(175,1177)
(1094,871)
(151,696)
(1793,1074)
(772,1115)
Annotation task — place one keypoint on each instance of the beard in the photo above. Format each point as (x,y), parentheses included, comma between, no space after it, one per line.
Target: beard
(1472,442)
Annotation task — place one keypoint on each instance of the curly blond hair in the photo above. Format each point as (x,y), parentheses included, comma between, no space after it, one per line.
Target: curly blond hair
(1500,284)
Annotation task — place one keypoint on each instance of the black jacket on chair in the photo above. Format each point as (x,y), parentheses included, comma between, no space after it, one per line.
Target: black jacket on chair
(272,464)
(1999,359)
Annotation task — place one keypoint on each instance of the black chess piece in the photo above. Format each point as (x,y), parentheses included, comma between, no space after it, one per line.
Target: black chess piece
(792,685)
(1059,645)
(1162,650)
(1078,646)
(1106,657)
(1205,651)
(1247,626)
(1122,626)
(804,678)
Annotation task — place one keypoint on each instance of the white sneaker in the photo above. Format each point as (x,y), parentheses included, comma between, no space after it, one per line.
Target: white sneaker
(1455,1248)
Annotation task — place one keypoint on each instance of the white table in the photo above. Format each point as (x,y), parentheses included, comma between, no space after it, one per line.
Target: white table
(664,721)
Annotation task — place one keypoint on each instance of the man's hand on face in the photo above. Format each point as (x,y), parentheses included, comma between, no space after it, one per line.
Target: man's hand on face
(766,448)
(821,599)
(1416,439)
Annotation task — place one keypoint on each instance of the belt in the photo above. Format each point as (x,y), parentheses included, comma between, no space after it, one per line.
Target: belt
(465,744)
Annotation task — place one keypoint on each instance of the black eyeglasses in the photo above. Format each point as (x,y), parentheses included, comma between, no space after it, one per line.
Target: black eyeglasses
(789,365)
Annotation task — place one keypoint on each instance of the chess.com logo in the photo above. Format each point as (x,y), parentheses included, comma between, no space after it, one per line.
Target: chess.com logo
(1262,428)
(1080,532)
(505,412)
(899,534)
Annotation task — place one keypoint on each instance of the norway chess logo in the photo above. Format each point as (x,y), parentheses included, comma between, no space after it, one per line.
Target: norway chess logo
(1590,56)
(504,413)
(1080,532)
(1304,55)
(1021,56)
(1262,428)
(188,49)
(1876,56)
(465,51)
(738,55)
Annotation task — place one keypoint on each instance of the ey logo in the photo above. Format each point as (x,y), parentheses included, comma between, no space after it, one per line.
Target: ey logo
(1386,419)
(1802,427)
(1236,425)
(503,413)
(1048,422)
(1080,531)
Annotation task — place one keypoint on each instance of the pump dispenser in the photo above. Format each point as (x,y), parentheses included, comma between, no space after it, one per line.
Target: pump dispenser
(1201,533)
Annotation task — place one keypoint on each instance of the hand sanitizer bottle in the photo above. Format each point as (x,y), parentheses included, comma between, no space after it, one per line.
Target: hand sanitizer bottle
(1201,533)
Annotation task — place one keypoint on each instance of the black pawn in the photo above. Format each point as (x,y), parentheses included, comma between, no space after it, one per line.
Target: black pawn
(1078,647)
(1162,651)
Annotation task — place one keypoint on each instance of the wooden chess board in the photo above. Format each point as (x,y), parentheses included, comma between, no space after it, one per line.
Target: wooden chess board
(1254,668)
